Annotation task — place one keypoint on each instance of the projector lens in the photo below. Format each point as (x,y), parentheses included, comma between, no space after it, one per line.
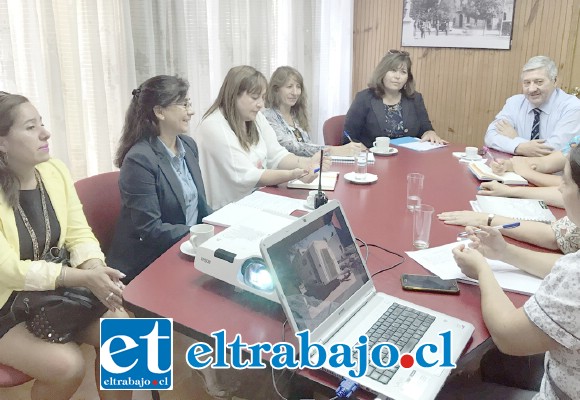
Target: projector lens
(256,275)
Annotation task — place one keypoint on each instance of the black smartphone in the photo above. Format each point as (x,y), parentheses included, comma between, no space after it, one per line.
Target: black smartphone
(429,283)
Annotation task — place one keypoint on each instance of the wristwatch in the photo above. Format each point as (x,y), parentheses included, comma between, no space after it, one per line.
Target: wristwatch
(490,218)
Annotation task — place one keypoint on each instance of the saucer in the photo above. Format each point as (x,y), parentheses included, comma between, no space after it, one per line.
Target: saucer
(187,248)
(370,178)
(379,152)
(477,158)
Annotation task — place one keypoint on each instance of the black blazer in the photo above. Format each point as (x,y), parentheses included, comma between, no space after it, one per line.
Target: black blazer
(366,117)
(152,215)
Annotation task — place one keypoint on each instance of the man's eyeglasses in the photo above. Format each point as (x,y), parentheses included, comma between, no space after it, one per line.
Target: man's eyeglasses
(186,105)
(405,53)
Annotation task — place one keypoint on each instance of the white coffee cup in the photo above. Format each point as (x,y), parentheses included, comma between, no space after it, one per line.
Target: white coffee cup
(310,198)
(199,234)
(471,153)
(382,143)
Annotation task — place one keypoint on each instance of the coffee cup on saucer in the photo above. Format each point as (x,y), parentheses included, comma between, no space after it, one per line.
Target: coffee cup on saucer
(382,144)
(199,234)
(471,153)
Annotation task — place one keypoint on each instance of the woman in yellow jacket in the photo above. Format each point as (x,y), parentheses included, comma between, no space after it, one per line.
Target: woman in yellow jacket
(39,209)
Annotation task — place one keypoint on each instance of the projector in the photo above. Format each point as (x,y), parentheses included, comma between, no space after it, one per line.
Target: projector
(233,256)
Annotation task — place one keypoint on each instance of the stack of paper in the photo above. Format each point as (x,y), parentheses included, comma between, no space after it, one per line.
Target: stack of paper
(440,261)
(484,173)
(416,144)
(524,209)
(263,212)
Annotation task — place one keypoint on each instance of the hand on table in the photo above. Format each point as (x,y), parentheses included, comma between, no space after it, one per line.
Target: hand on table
(494,188)
(432,137)
(463,218)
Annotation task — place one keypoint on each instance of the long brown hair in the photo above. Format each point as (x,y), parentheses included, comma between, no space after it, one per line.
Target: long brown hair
(239,79)
(9,182)
(279,78)
(574,159)
(390,62)
(140,119)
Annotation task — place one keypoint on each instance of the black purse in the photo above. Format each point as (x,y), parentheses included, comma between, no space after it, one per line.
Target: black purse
(57,315)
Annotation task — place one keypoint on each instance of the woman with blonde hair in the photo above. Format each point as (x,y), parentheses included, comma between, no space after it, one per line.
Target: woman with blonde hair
(238,150)
(286,100)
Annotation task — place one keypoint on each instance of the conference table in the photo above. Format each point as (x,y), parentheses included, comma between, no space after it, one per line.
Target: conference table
(200,304)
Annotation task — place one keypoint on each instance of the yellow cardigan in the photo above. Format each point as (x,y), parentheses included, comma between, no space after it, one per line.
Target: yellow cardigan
(75,234)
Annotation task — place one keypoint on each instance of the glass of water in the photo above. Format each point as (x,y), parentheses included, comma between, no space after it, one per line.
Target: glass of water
(414,190)
(360,171)
(422,217)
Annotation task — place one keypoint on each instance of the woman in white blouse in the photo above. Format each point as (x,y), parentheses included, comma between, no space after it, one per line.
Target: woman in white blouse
(238,150)
(287,113)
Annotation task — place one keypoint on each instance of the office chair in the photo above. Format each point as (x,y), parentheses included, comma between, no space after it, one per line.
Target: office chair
(101,201)
(332,130)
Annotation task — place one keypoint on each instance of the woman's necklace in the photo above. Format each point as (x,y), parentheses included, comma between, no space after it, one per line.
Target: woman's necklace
(35,245)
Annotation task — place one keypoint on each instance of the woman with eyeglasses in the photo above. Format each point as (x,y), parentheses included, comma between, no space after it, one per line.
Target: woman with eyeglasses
(162,189)
(390,106)
(287,113)
(238,149)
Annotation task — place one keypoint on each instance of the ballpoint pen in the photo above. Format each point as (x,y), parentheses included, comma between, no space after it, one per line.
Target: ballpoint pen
(506,226)
(316,170)
(346,135)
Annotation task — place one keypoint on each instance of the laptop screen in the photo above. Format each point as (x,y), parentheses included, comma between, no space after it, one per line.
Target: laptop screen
(319,268)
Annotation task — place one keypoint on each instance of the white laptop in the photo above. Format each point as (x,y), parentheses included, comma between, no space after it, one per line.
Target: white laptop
(324,286)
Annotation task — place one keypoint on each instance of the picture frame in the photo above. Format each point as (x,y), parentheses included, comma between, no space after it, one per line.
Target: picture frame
(475,24)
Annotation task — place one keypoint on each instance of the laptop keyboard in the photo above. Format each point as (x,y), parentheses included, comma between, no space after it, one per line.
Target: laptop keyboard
(402,326)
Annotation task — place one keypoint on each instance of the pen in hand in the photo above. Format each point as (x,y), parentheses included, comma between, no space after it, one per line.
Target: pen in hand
(346,135)
(506,226)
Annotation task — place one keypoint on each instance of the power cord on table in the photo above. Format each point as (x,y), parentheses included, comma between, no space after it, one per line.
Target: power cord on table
(367,245)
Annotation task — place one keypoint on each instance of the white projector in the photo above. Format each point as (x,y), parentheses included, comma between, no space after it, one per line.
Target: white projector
(233,256)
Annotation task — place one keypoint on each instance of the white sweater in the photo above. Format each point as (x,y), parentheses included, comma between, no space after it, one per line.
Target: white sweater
(230,172)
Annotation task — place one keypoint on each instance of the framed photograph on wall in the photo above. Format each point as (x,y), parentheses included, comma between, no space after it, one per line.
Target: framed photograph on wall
(476,24)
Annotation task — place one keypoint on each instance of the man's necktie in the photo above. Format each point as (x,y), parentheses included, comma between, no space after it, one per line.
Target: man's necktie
(536,124)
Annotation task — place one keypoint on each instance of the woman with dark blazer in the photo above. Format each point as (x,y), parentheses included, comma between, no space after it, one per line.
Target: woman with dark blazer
(162,190)
(390,106)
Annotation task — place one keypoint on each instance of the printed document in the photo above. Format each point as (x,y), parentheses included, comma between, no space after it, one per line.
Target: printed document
(440,261)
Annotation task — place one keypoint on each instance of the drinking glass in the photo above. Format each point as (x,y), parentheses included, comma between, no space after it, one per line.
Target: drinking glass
(414,190)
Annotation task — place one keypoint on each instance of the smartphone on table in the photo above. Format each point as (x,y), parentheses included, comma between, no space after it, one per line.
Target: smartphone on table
(429,283)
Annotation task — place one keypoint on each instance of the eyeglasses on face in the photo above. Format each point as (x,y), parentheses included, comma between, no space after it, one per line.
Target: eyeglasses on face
(186,105)
(405,53)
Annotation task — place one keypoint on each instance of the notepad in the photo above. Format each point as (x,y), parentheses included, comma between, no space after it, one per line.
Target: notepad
(329,179)
(484,173)
(350,159)
(439,260)
(524,209)
(415,144)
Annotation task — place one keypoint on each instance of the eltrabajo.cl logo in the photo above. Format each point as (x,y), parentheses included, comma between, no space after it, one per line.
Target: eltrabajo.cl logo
(136,353)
